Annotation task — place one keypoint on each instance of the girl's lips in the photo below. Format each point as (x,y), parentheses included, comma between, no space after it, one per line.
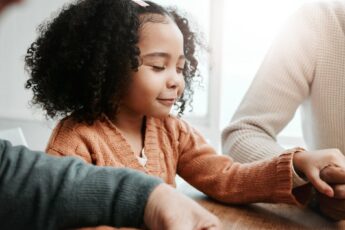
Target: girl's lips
(167,102)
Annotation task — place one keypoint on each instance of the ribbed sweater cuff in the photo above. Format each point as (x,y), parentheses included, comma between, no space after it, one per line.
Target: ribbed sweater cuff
(284,179)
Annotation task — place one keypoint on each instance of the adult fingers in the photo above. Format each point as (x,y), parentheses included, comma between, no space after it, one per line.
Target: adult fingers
(331,207)
(339,191)
(333,174)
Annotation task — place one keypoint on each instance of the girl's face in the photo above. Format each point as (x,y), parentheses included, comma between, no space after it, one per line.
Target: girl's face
(159,81)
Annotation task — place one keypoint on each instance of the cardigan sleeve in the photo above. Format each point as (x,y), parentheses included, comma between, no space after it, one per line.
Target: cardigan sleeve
(219,177)
(38,191)
(280,86)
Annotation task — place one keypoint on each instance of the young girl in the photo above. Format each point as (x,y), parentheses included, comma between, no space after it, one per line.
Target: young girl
(114,69)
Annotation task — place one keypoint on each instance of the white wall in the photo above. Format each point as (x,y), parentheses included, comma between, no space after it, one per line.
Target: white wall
(17,31)
(36,133)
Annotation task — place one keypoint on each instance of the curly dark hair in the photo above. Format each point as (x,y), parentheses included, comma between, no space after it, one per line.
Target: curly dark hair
(80,63)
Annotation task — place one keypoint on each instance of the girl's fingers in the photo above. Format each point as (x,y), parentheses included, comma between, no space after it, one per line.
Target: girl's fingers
(319,184)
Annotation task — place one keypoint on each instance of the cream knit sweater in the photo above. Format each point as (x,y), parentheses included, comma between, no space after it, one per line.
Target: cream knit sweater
(304,67)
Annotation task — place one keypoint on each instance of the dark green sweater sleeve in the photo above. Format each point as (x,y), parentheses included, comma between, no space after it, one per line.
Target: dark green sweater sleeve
(38,191)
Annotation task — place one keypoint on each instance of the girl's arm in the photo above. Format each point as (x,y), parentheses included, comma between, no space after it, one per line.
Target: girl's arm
(262,181)
(225,180)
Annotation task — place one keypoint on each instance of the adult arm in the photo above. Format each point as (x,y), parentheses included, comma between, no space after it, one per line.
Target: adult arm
(280,86)
(283,83)
(38,191)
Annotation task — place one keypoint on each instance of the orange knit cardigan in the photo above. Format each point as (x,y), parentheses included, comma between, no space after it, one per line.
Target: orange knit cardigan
(174,147)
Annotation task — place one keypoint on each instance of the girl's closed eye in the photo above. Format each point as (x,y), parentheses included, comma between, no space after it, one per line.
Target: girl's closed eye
(158,67)
(155,65)
(179,69)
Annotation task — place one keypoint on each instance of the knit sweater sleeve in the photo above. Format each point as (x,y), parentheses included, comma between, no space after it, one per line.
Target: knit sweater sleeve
(227,181)
(38,191)
(280,86)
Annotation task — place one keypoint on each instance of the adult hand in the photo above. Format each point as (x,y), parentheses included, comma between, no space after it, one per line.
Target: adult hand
(333,207)
(312,162)
(171,210)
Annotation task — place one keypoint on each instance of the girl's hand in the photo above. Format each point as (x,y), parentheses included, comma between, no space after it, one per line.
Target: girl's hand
(310,163)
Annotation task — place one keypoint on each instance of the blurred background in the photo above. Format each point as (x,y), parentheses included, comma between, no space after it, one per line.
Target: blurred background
(238,34)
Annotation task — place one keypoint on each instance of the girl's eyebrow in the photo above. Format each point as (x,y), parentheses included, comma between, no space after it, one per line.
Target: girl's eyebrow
(161,54)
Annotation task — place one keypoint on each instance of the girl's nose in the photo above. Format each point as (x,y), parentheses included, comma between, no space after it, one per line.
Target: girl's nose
(174,80)
(172,84)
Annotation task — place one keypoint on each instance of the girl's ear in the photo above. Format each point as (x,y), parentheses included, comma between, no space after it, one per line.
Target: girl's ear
(140,61)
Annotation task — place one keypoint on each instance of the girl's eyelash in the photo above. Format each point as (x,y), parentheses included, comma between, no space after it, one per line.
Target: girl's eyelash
(155,67)
(161,68)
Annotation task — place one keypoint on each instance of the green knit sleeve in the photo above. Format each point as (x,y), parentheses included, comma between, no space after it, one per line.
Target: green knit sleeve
(38,191)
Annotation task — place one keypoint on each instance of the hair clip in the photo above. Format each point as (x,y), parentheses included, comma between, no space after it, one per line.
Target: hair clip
(141,3)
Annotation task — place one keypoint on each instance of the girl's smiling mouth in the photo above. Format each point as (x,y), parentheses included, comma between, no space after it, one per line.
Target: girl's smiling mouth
(167,101)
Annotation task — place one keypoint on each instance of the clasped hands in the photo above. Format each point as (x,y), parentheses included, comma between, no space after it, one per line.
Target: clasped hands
(325,169)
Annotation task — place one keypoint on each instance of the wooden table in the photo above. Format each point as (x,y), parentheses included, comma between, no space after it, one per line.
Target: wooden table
(261,216)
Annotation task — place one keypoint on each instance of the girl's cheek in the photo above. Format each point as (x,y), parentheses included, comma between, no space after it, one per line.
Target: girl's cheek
(181,89)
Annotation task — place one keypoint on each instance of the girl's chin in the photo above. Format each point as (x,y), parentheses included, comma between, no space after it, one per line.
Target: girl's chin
(159,115)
